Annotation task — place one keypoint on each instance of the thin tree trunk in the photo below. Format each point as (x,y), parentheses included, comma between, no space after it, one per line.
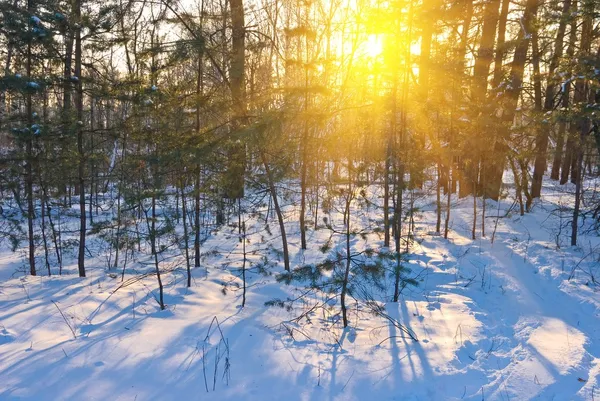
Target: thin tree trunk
(348,250)
(55,238)
(398,232)
(316,192)
(118,234)
(199,93)
(29,161)
(185,234)
(386,194)
(518,185)
(525,184)
(91,165)
(177,215)
(43,209)
(448,204)
(243,263)
(80,151)
(474,228)
(197,219)
(155,253)
(304,169)
(578,182)
(483,207)
(567,160)
(303,197)
(438,202)
(558,151)
(273,191)
(119,211)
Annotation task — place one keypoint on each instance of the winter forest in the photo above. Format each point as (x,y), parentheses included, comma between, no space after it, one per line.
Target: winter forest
(300,200)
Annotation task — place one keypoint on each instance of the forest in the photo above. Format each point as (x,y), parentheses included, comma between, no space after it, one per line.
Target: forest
(300,199)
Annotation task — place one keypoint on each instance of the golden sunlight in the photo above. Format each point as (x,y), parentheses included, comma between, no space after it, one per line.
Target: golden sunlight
(373,47)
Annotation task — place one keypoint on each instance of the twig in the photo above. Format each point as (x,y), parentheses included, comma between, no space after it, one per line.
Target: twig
(66,321)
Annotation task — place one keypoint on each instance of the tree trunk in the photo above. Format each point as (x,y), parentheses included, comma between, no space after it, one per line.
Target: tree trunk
(386,193)
(348,252)
(243,228)
(583,124)
(481,70)
(272,189)
(55,237)
(448,205)
(29,161)
(237,155)
(518,185)
(560,143)
(486,51)
(43,200)
(513,92)
(438,201)
(197,218)
(541,143)
(185,234)
(304,167)
(80,151)
(463,165)
(154,251)
(500,44)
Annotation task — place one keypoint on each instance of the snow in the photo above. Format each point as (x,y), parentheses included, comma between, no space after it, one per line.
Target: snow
(516,319)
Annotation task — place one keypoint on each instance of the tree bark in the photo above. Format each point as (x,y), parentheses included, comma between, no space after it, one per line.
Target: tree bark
(500,44)
(513,91)
(80,145)
(185,233)
(29,161)
(582,122)
(237,158)
(196,171)
(481,71)
(541,143)
(273,191)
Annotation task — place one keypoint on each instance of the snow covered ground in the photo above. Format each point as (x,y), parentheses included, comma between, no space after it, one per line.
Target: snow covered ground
(514,320)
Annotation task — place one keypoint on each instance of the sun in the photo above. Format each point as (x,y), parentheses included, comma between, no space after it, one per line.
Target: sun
(373,46)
